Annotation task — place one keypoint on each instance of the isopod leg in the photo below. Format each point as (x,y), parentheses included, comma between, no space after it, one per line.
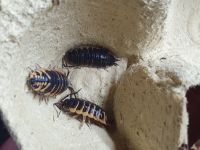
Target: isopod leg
(71,89)
(50,66)
(105,69)
(115,64)
(88,123)
(75,67)
(46,100)
(73,93)
(83,121)
(40,99)
(65,66)
(75,116)
(37,66)
(29,69)
(67,73)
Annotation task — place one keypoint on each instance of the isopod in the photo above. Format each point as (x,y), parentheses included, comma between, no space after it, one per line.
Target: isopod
(89,55)
(84,108)
(48,82)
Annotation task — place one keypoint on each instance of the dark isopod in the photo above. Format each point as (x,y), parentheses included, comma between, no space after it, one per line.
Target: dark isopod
(89,55)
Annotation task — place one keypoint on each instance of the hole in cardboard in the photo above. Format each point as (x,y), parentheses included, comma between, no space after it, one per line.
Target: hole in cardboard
(193,108)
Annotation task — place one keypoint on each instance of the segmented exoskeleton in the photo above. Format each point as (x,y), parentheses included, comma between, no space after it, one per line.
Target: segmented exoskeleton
(84,108)
(48,82)
(89,55)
